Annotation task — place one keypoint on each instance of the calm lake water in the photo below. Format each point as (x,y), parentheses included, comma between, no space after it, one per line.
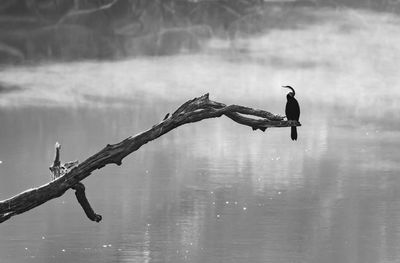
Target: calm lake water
(216,191)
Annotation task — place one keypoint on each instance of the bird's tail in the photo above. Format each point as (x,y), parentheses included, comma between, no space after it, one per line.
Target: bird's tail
(293,133)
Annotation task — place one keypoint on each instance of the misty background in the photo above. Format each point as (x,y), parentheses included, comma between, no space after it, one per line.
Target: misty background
(88,73)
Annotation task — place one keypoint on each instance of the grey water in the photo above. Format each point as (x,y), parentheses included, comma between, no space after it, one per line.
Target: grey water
(216,191)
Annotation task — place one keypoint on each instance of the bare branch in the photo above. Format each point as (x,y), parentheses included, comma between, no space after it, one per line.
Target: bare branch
(193,110)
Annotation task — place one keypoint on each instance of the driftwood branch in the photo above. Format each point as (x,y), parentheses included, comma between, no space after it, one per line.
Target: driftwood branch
(193,110)
(60,169)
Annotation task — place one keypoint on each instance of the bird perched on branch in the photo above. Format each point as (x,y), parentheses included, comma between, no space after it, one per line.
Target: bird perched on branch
(292,111)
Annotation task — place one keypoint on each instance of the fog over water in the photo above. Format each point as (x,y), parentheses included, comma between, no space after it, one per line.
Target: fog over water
(215,191)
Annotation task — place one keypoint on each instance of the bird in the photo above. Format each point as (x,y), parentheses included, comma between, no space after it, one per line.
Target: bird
(292,111)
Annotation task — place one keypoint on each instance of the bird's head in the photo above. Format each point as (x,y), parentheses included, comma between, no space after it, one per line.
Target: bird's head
(292,93)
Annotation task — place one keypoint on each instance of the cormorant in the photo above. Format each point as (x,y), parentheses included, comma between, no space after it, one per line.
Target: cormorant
(292,111)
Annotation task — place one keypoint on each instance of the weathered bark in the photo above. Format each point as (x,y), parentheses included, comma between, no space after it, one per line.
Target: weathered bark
(81,197)
(193,110)
(60,169)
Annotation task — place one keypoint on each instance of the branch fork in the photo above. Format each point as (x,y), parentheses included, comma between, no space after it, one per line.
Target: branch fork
(59,169)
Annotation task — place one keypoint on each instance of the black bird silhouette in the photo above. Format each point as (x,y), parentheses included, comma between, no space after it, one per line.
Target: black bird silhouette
(292,111)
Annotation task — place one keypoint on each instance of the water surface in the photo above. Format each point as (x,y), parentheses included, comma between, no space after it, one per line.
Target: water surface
(215,191)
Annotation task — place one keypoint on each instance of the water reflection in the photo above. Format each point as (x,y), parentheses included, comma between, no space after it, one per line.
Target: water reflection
(230,194)
(214,191)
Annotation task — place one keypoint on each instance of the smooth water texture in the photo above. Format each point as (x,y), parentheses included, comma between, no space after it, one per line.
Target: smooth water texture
(216,191)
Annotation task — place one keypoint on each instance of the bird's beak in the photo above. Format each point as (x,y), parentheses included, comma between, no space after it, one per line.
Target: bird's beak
(288,87)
